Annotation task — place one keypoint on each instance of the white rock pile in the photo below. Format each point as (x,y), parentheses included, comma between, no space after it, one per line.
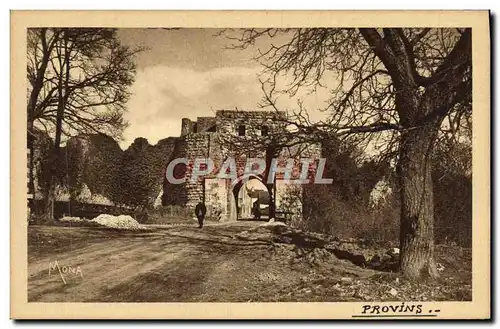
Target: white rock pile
(70,219)
(119,222)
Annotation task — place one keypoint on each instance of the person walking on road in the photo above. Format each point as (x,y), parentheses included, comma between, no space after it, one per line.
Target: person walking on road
(200,212)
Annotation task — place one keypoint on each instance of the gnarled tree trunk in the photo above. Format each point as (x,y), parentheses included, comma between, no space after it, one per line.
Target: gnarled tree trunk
(417,205)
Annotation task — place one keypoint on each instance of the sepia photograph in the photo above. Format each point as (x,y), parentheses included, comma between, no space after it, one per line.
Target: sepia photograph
(248,165)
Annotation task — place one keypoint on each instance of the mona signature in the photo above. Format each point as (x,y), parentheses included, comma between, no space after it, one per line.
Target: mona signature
(64,270)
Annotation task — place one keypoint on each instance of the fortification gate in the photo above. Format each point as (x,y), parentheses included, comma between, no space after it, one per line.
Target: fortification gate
(227,135)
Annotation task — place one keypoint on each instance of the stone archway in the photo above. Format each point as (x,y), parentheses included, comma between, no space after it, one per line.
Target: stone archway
(245,193)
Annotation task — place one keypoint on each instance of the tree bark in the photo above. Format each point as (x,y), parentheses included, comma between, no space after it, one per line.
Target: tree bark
(417,205)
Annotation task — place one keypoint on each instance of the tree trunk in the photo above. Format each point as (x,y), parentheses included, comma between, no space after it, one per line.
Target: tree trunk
(63,78)
(417,206)
(49,200)
(271,152)
(31,162)
(37,86)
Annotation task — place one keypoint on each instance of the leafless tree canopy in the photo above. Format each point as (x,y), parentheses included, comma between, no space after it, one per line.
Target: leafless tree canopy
(354,64)
(90,68)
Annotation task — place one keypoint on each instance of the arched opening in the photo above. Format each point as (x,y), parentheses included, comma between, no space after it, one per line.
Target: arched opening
(251,199)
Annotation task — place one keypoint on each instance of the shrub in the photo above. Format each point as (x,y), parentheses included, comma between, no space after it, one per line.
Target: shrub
(453,209)
(168,215)
(327,212)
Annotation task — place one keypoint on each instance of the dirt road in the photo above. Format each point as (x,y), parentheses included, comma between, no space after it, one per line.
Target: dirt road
(165,265)
(186,264)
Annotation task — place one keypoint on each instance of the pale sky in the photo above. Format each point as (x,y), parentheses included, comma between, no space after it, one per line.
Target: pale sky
(189,73)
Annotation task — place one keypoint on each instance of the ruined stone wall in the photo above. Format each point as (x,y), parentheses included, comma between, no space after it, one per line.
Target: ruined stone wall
(176,194)
(229,121)
(186,126)
(197,146)
(198,140)
(204,124)
(207,188)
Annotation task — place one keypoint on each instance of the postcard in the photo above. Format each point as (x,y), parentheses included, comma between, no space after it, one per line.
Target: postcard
(250,165)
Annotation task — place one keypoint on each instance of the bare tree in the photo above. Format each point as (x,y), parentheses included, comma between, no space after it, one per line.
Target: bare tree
(402,89)
(78,83)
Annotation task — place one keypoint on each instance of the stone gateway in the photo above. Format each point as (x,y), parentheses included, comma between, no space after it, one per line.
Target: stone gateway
(240,135)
